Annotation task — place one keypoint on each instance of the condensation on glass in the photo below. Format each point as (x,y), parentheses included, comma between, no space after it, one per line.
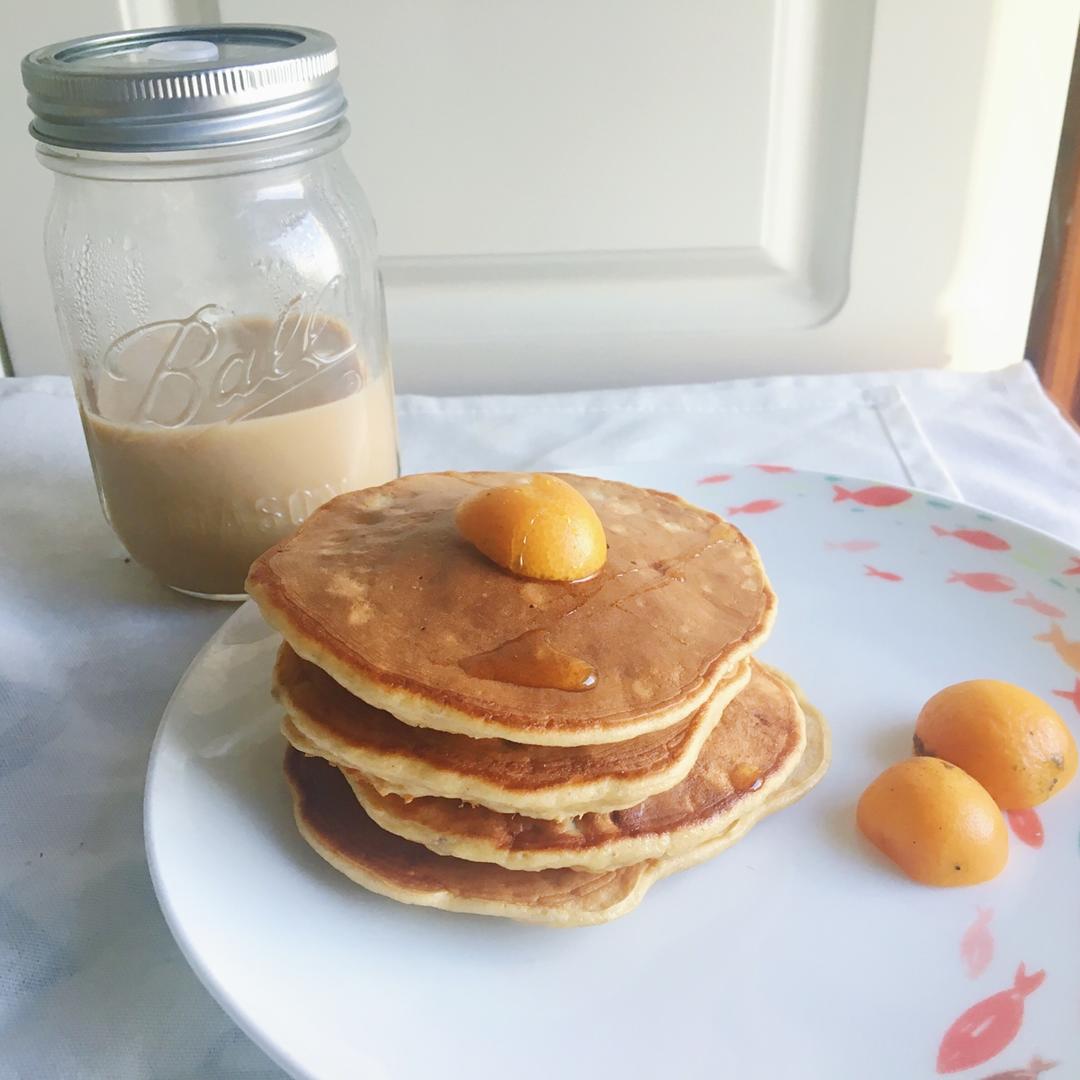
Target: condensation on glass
(213,263)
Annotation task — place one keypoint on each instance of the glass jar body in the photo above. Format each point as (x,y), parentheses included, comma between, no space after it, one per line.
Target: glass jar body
(224,322)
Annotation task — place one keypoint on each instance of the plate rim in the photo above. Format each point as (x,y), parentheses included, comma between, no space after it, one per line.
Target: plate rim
(231,1006)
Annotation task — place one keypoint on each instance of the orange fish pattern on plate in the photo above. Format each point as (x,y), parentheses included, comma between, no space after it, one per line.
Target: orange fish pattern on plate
(1069,651)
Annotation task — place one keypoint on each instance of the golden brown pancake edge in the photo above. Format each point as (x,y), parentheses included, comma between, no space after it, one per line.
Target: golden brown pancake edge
(763,730)
(541,781)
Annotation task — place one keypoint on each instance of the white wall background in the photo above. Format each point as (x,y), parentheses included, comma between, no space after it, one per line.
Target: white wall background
(602,192)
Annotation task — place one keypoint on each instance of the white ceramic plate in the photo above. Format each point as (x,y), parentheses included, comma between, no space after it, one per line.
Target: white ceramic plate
(799,953)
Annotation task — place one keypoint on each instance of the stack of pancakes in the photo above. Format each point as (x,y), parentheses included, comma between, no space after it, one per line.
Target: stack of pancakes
(469,739)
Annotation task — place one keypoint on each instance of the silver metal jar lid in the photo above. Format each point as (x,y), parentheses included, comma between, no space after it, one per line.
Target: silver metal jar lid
(183,87)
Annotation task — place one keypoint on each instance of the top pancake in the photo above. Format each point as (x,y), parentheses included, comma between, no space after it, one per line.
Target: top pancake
(380,590)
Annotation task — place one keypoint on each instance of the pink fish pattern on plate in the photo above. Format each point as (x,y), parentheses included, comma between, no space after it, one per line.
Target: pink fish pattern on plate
(883,575)
(1027,826)
(982,581)
(1040,607)
(756,506)
(985,1029)
(979,538)
(1072,695)
(876,495)
(1031,1071)
(977,944)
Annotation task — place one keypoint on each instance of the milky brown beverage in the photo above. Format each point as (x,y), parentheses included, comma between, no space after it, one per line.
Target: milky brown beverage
(213,437)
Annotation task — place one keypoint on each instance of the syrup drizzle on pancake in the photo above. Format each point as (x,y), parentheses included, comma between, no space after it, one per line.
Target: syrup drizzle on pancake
(745,777)
(531,660)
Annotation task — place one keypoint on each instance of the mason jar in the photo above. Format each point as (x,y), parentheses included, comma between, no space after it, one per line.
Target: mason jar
(213,266)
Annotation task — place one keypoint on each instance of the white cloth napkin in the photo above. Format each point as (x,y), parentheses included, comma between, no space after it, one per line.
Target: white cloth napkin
(790,421)
(91,984)
(993,439)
